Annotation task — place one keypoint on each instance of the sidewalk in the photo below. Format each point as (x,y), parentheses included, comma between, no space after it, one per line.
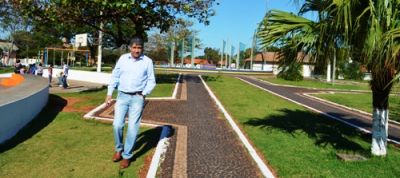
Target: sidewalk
(213,149)
(74,86)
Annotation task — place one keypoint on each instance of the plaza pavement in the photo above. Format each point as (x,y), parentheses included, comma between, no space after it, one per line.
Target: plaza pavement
(74,86)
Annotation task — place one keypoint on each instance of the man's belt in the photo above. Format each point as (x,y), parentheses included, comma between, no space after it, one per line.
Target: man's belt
(133,93)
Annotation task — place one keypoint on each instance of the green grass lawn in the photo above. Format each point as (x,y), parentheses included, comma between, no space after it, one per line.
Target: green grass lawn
(319,84)
(164,88)
(297,142)
(165,84)
(6,70)
(62,144)
(363,102)
(93,68)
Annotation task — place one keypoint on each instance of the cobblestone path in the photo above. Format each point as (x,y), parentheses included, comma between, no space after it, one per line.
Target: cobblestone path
(213,149)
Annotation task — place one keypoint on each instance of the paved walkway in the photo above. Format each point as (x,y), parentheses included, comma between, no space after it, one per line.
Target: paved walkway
(213,149)
(74,86)
(295,94)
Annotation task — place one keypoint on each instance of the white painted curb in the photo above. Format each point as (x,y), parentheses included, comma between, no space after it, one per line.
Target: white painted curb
(339,105)
(313,88)
(160,151)
(162,144)
(317,111)
(261,165)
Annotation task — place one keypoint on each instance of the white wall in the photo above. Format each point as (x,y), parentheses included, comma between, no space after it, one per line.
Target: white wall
(267,67)
(21,108)
(86,76)
(307,70)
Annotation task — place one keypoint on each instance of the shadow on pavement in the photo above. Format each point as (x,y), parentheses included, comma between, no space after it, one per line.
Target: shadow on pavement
(54,105)
(324,131)
(147,140)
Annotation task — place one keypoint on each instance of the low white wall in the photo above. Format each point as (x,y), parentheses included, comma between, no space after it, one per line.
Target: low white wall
(21,108)
(307,70)
(86,76)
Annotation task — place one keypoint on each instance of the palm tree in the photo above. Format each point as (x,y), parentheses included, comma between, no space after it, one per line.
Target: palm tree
(368,30)
(376,36)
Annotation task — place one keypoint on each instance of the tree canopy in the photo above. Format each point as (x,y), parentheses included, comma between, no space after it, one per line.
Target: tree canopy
(122,19)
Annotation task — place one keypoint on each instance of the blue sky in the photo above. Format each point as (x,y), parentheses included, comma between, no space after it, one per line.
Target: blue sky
(236,20)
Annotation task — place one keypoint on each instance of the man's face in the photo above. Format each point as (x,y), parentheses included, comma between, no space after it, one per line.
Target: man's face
(136,50)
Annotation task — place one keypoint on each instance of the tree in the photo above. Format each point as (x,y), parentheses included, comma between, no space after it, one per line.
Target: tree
(159,45)
(10,22)
(212,55)
(156,47)
(122,19)
(369,30)
(29,43)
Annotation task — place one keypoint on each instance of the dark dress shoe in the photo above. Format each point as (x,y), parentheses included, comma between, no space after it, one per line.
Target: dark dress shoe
(117,157)
(124,163)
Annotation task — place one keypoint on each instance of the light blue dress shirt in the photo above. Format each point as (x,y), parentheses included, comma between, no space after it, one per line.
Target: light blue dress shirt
(133,75)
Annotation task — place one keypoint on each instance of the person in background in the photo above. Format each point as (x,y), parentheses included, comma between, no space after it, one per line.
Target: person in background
(22,70)
(39,69)
(59,77)
(65,75)
(17,67)
(133,76)
(32,69)
(50,71)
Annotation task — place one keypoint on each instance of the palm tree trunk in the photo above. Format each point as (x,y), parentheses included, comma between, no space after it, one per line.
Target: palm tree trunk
(381,86)
(380,119)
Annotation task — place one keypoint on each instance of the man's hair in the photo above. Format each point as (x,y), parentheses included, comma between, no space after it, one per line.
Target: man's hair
(136,40)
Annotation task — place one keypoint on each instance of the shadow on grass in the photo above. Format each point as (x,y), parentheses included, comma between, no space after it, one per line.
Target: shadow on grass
(54,105)
(167,78)
(209,78)
(323,131)
(147,140)
(97,89)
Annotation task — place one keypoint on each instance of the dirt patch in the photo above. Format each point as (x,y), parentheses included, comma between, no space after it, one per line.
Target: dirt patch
(72,101)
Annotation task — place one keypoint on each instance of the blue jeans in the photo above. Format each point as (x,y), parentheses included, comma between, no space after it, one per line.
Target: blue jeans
(64,81)
(133,106)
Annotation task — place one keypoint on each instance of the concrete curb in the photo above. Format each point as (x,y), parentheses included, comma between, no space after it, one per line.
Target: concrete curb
(158,156)
(343,106)
(312,88)
(162,144)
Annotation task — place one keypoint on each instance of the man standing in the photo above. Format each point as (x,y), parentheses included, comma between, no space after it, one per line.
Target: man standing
(133,76)
(64,75)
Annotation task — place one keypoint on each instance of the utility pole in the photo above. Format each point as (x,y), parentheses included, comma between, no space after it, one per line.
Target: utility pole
(99,48)
(328,71)
(252,46)
(192,56)
(171,62)
(226,56)
(237,57)
(182,52)
(334,66)
(222,52)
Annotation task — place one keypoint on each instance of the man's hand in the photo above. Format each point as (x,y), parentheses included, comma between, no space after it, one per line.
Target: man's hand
(108,100)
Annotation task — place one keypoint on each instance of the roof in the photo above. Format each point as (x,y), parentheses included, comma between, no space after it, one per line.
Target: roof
(6,45)
(196,61)
(273,57)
